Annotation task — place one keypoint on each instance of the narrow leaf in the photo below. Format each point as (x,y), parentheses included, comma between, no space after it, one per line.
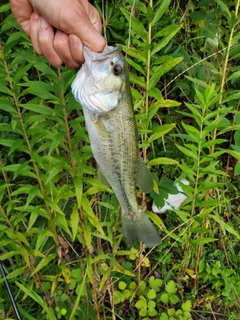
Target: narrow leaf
(45,261)
(187,152)
(160,160)
(160,11)
(203,240)
(161,131)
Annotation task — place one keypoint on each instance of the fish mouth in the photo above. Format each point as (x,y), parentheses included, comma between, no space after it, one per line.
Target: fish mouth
(105,54)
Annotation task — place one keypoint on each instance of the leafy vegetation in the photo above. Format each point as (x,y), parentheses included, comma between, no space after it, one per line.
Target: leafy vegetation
(61,242)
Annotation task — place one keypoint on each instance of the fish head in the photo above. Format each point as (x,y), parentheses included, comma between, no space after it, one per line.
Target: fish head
(101,81)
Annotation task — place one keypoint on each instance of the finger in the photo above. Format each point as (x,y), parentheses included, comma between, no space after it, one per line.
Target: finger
(33,27)
(62,47)
(22,11)
(95,41)
(76,47)
(45,41)
(76,17)
(87,27)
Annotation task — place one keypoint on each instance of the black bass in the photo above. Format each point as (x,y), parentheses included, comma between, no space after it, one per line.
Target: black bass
(102,88)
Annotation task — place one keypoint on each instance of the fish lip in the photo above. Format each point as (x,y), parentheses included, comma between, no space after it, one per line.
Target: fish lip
(106,54)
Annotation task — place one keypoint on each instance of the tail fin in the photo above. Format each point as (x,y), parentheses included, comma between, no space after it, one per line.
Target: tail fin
(140,230)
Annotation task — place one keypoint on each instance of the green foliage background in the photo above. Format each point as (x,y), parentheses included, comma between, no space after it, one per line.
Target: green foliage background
(60,233)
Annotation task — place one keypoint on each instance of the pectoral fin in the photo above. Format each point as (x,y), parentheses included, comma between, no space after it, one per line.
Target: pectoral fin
(144,178)
(102,179)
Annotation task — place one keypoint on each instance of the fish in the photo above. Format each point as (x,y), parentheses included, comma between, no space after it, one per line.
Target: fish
(102,88)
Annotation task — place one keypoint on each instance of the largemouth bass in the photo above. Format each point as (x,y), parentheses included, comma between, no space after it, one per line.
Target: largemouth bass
(102,87)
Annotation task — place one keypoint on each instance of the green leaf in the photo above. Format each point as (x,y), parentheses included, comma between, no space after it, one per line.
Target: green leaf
(150,13)
(155,218)
(195,112)
(44,68)
(122,285)
(78,184)
(122,270)
(143,313)
(210,143)
(164,316)
(135,54)
(237,169)
(16,273)
(38,299)
(4,89)
(5,7)
(40,89)
(203,240)
(183,215)
(173,299)
(187,306)
(224,8)
(45,261)
(8,255)
(151,294)
(7,106)
(171,287)
(234,76)
(135,24)
(171,312)
(160,11)
(136,66)
(166,103)
(193,132)
(74,221)
(234,154)
(141,303)
(12,40)
(21,72)
(151,311)
(155,283)
(161,131)
(87,234)
(138,80)
(38,108)
(159,161)
(164,298)
(167,33)
(161,70)
(225,226)
(198,15)
(187,152)
(90,214)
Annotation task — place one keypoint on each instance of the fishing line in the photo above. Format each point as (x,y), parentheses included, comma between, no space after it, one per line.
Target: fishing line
(10,293)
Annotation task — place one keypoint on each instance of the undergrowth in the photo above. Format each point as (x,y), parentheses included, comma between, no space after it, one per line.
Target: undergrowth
(61,243)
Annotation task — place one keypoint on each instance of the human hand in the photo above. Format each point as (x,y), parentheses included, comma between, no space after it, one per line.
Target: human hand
(77,23)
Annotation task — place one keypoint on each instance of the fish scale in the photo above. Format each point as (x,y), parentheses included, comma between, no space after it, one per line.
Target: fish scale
(102,87)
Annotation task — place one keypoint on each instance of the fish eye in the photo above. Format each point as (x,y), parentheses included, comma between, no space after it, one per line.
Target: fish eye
(117,69)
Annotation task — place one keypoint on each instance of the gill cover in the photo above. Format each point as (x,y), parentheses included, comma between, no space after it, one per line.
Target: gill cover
(97,85)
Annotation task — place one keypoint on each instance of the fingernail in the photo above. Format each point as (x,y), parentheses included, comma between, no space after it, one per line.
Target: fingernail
(43,23)
(74,42)
(36,15)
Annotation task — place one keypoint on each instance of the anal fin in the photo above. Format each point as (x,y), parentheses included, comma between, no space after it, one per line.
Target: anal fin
(144,178)
(102,179)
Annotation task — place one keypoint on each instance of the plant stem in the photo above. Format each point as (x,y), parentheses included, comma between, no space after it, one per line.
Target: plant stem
(29,146)
(148,76)
(73,164)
